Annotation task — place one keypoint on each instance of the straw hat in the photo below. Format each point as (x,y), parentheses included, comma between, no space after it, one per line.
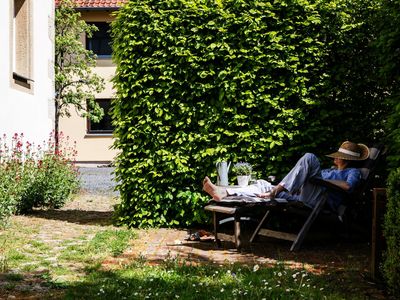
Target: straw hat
(351,151)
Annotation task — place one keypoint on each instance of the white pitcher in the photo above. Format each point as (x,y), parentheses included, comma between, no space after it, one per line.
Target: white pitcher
(222,171)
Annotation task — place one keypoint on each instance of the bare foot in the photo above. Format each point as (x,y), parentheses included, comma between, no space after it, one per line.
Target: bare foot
(212,189)
(264,195)
(272,194)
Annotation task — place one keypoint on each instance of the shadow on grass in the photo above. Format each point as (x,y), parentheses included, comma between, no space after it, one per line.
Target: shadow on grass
(87,217)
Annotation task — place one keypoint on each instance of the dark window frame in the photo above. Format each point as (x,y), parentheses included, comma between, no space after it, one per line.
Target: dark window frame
(105,121)
(99,37)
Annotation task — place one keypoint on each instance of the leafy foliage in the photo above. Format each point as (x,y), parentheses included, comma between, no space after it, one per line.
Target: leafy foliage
(35,176)
(251,81)
(392,233)
(388,55)
(75,81)
(242,168)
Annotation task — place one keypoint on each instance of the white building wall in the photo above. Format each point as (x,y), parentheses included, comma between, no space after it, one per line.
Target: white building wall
(21,110)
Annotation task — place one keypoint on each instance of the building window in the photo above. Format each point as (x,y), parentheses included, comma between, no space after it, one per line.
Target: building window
(100,42)
(22,44)
(104,126)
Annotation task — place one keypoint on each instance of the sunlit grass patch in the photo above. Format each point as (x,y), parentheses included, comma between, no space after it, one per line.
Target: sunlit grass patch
(39,246)
(15,255)
(181,281)
(112,241)
(104,243)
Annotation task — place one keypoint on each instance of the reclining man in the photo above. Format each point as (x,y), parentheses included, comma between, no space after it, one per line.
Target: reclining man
(295,186)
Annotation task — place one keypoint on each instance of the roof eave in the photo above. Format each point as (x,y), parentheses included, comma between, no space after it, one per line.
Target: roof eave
(97,8)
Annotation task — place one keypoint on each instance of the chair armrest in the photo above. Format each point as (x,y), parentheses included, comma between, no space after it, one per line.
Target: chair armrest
(322,182)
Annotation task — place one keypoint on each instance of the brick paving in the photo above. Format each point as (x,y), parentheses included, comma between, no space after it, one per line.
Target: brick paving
(158,245)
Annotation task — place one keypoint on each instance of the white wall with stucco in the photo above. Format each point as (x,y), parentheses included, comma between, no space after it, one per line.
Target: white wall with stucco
(28,111)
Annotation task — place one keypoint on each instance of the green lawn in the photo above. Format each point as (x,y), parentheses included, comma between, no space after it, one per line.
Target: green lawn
(73,268)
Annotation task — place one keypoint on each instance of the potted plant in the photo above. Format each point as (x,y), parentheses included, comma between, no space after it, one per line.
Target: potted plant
(243,172)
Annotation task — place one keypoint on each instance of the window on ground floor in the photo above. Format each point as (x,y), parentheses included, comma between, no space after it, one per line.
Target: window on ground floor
(105,125)
(22,43)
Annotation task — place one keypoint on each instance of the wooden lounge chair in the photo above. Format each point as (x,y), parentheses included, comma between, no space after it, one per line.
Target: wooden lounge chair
(240,207)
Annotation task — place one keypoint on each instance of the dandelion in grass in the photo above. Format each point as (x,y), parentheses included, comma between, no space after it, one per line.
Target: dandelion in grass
(256,268)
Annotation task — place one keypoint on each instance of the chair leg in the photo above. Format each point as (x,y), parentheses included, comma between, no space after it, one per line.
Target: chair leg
(255,233)
(304,230)
(215,221)
(238,242)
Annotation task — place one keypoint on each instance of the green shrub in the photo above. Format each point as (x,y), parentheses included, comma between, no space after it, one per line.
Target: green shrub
(392,233)
(200,81)
(54,183)
(10,191)
(35,176)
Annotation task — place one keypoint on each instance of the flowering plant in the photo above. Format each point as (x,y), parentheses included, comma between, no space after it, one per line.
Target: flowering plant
(35,175)
(242,168)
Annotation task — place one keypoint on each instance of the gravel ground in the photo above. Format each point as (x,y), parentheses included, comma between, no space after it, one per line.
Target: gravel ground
(98,180)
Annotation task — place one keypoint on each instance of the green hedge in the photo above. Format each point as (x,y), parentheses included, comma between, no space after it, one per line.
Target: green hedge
(392,233)
(253,81)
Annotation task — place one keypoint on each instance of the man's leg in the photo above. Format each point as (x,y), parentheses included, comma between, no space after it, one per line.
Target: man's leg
(297,180)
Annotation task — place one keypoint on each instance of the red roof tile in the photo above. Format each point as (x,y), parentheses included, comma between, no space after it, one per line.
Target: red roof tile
(97,3)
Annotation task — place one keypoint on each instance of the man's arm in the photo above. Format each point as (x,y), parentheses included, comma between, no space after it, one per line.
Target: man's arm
(340,183)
